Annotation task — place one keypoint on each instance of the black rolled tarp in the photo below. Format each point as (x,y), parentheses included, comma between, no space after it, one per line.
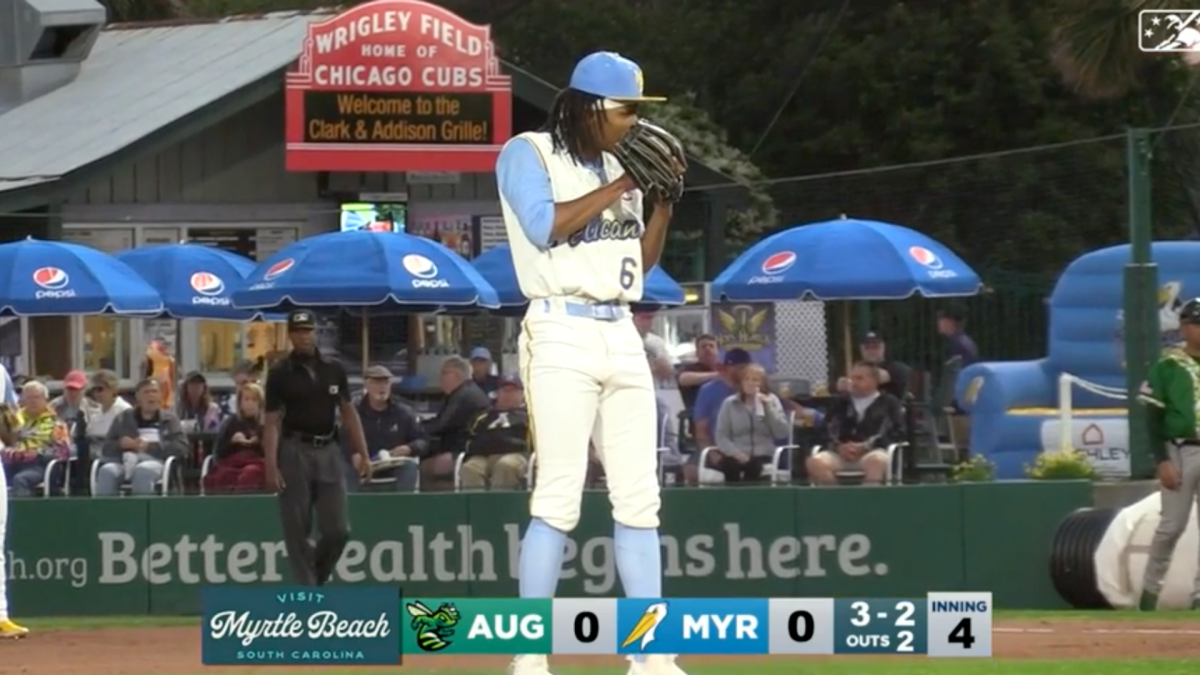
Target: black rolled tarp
(1072,557)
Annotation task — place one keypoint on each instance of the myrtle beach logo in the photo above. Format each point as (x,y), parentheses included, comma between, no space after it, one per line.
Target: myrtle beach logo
(298,627)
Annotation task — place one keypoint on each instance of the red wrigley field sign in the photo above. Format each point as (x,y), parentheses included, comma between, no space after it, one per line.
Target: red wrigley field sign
(397,85)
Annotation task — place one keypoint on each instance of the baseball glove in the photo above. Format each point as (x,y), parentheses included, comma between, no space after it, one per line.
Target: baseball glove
(654,159)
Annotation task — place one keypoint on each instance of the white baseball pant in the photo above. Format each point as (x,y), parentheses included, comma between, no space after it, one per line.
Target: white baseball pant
(3,544)
(589,379)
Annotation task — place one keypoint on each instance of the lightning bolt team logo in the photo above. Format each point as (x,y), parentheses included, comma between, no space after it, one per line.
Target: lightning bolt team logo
(645,627)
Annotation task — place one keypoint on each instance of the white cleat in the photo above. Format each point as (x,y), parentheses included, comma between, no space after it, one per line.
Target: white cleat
(529,664)
(655,664)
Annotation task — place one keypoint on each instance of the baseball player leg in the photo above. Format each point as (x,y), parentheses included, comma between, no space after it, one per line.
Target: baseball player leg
(1176,509)
(1190,480)
(8,629)
(3,547)
(562,394)
(626,440)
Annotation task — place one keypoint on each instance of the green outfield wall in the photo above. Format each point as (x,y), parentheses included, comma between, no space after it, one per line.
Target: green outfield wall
(133,556)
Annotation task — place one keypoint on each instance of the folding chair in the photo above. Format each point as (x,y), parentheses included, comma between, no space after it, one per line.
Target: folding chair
(894,472)
(163,484)
(46,487)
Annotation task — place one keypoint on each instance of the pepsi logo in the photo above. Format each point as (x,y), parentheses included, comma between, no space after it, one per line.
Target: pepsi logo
(50,278)
(419,266)
(778,263)
(925,257)
(207,283)
(279,269)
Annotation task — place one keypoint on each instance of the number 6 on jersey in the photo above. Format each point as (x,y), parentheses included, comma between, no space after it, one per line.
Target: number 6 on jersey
(960,624)
(629,271)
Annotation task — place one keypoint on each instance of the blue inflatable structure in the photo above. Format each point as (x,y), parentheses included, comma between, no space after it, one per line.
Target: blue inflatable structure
(1014,406)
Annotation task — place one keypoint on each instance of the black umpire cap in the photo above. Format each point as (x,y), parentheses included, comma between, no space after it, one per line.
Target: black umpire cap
(1190,312)
(301,319)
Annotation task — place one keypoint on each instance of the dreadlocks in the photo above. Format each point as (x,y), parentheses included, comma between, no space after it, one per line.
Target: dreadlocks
(574,124)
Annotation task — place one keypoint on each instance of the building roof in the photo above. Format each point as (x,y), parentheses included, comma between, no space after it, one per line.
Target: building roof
(142,79)
(138,80)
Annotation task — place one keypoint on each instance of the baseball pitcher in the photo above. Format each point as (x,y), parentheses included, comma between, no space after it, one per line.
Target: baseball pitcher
(572,196)
(1172,397)
(8,402)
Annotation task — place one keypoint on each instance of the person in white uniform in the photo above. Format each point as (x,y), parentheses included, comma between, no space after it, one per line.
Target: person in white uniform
(8,628)
(581,249)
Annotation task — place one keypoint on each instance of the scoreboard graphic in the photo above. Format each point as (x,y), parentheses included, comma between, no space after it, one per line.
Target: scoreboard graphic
(938,625)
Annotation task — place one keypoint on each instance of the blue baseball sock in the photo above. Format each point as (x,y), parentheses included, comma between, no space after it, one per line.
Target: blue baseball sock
(541,560)
(639,563)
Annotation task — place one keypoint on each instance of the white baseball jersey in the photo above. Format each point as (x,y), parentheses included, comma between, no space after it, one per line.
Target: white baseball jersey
(601,262)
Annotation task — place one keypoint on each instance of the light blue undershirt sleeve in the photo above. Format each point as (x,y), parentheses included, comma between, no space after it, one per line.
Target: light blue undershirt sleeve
(525,185)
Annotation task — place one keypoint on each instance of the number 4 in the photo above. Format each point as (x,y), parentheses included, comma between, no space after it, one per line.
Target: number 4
(961,635)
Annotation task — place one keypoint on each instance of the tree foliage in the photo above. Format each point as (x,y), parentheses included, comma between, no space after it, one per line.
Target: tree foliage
(832,90)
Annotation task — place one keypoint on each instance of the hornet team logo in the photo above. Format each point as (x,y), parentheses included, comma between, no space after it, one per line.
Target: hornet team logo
(925,257)
(433,629)
(419,266)
(51,278)
(279,269)
(1169,30)
(207,283)
(778,263)
(645,627)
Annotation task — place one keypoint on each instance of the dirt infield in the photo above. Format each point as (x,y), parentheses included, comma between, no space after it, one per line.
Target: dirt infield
(176,651)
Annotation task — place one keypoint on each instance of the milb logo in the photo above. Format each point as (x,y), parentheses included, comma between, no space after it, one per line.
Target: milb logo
(692,626)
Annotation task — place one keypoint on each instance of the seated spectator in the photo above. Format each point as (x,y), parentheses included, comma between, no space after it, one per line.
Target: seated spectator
(243,373)
(750,424)
(138,444)
(40,437)
(893,375)
(239,465)
(446,434)
(703,370)
(194,406)
(481,371)
(708,403)
(74,408)
(498,442)
(861,424)
(106,393)
(390,428)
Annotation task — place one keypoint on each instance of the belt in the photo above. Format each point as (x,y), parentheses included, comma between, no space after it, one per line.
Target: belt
(583,309)
(316,440)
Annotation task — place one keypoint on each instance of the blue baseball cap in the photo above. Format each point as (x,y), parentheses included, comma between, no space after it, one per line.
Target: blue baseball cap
(481,354)
(612,76)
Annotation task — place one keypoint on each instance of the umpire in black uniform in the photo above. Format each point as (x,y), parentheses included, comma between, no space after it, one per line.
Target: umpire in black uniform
(304,394)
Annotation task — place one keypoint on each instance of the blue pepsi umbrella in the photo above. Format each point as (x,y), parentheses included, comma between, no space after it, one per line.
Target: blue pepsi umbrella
(846,260)
(195,282)
(54,278)
(496,265)
(365,269)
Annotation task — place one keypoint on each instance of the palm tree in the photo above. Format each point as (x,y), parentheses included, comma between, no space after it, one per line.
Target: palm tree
(1096,45)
